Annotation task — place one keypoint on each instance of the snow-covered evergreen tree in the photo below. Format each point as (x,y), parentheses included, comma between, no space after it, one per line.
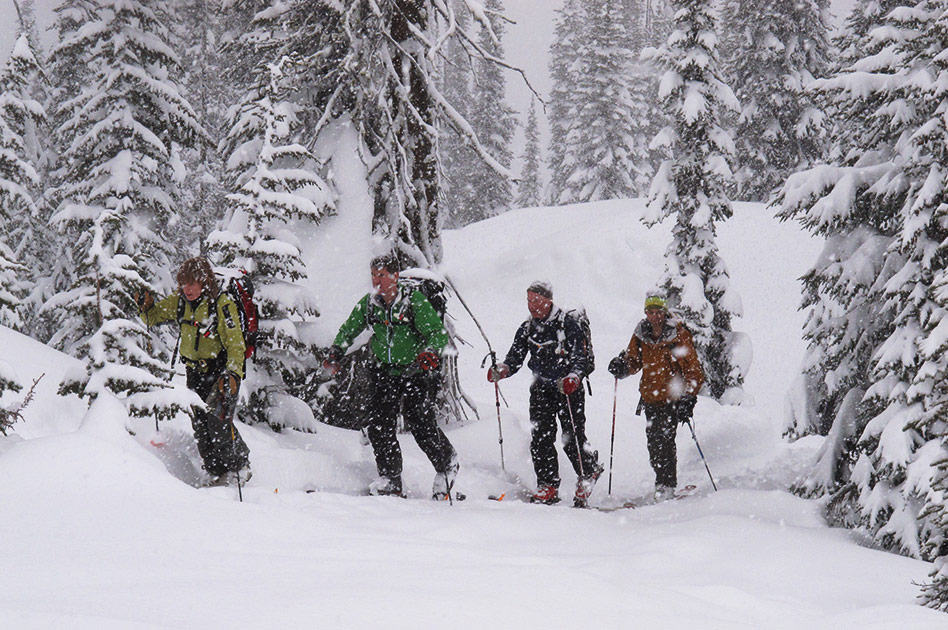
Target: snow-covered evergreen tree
(690,186)
(935,594)
(277,192)
(118,198)
(68,70)
(460,161)
(388,86)
(530,188)
(847,320)
(492,120)
(775,49)
(564,102)
(199,27)
(595,126)
(8,383)
(26,24)
(645,30)
(889,200)
(20,119)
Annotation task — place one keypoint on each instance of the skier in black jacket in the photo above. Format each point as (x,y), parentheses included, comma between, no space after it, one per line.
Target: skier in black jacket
(558,363)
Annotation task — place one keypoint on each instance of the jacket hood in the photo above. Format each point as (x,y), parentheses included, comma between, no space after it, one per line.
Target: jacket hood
(644,331)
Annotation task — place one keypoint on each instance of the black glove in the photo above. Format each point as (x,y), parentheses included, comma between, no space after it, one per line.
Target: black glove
(618,368)
(685,408)
(145,300)
(331,362)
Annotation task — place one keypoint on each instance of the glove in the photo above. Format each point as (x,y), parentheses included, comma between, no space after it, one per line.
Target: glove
(335,354)
(685,408)
(428,360)
(228,384)
(497,372)
(569,384)
(145,300)
(331,362)
(618,368)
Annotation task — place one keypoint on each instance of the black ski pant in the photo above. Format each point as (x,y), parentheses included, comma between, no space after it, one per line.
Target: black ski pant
(412,395)
(220,445)
(547,405)
(661,429)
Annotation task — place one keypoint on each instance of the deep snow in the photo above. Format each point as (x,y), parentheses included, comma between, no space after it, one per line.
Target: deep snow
(103,530)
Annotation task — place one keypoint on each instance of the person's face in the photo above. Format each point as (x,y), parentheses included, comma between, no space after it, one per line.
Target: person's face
(192,291)
(385,283)
(655,316)
(539,305)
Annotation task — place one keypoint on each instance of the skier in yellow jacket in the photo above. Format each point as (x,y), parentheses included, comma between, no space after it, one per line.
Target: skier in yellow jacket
(212,349)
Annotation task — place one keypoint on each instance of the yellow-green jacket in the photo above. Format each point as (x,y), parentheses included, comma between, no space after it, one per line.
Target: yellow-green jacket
(203,336)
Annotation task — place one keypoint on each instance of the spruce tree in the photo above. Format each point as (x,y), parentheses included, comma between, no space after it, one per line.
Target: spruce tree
(565,64)
(20,119)
(847,319)
(68,70)
(460,161)
(601,136)
(118,197)
(26,23)
(199,28)
(8,383)
(887,203)
(492,120)
(645,30)
(690,186)
(388,85)
(277,195)
(775,49)
(530,188)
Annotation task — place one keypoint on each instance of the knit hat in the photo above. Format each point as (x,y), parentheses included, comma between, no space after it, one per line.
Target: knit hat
(655,301)
(541,288)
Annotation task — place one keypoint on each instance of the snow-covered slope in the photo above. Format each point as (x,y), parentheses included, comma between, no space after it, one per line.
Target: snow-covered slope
(103,530)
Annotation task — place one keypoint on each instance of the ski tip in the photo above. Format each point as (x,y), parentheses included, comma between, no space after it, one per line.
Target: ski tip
(156,443)
(497,497)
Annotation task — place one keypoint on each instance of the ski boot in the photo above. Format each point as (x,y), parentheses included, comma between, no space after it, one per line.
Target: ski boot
(547,495)
(387,487)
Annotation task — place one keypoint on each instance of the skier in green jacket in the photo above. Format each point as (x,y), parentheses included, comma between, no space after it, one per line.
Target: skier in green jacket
(408,338)
(212,349)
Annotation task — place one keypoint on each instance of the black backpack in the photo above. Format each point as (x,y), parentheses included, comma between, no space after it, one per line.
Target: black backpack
(579,316)
(433,290)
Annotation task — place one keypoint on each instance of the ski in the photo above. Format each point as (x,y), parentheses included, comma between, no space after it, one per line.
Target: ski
(628,505)
(684,491)
(456,496)
(681,493)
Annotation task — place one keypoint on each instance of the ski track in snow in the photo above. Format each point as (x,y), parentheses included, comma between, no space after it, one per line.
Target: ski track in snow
(104,530)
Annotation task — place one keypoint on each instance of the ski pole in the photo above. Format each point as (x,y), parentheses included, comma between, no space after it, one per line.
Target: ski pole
(497,395)
(579,452)
(500,428)
(448,487)
(451,284)
(612,440)
(233,440)
(690,426)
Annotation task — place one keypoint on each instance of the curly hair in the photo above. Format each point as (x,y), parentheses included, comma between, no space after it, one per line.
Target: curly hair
(198,269)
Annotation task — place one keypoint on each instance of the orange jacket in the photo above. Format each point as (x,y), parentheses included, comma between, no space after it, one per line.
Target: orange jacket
(670,367)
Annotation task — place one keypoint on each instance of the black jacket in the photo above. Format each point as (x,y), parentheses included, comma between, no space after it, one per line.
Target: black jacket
(555,346)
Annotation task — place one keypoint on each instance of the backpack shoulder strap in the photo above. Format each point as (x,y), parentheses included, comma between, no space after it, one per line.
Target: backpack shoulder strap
(182,304)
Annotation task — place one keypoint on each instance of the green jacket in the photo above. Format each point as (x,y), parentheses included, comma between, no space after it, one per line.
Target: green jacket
(201,336)
(395,341)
